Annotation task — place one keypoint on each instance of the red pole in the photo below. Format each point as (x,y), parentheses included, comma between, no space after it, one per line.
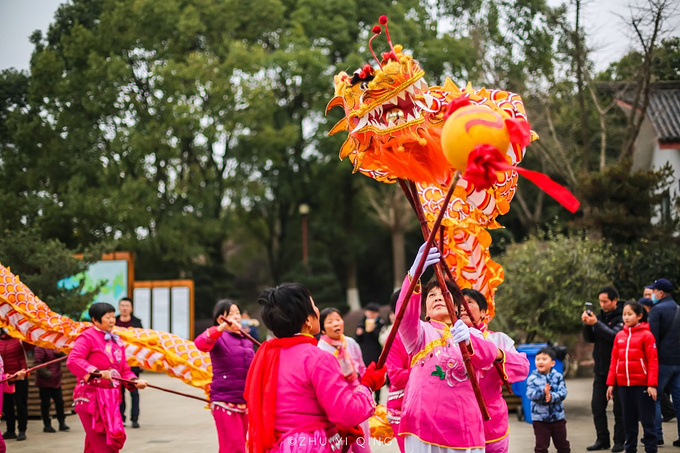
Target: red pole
(414,282)
(442,268)
(129,382)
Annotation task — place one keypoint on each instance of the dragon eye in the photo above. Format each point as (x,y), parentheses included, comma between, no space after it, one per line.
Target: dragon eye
(364,86)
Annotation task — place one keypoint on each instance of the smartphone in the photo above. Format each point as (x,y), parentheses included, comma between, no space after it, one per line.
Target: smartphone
(589,307)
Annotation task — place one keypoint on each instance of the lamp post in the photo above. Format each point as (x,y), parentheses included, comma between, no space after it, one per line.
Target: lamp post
(304,211)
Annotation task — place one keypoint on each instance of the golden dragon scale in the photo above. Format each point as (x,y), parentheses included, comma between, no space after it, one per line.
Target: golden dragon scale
(29,319)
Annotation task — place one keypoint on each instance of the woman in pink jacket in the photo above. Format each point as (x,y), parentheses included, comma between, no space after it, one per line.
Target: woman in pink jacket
(348,353)
(440,413)
(98,356)
(298,398)
(515,368)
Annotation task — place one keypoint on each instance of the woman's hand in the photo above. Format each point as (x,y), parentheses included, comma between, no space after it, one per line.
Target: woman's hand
(610,392)
(141,384)
(16,376)
(105,374)
(433,257)
(227,324)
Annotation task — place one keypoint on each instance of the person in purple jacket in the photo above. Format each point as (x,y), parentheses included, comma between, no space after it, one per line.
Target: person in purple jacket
(231,354)
(48,381)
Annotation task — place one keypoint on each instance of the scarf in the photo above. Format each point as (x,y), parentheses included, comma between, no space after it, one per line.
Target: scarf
(342,353)
(261,389)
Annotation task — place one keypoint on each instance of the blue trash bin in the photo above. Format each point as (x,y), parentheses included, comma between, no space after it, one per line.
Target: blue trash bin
(520,388)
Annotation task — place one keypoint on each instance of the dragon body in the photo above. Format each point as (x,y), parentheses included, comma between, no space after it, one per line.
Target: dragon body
(29,319)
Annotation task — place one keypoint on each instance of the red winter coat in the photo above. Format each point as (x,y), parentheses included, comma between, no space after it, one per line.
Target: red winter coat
(634,358)
(51,379)
(13,354)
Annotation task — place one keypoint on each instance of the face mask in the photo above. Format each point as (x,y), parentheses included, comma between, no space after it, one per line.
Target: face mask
(655,299)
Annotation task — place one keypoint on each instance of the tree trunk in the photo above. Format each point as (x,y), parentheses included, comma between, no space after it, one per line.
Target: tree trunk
(398,258)
(581,95)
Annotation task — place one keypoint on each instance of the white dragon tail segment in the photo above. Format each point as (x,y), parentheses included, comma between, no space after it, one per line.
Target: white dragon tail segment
(29,319)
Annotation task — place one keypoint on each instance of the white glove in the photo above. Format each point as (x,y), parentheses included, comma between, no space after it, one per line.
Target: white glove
(460,332)
(433,257)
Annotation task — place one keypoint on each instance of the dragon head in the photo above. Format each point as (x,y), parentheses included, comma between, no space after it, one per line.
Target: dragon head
(385,100)
(386,111)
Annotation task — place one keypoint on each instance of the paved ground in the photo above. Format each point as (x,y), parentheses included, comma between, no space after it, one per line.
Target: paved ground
(173,423)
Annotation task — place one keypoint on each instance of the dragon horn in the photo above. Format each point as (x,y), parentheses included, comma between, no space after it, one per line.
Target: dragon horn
(336,101)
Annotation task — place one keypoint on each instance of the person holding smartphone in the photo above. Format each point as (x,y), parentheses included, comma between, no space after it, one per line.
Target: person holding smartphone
(601,330)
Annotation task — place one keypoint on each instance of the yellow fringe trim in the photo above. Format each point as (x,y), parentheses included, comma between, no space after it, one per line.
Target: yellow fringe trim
(404,434)
(430,346)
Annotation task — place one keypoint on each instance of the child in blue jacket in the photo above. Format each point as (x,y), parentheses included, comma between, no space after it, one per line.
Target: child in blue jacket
(546,390)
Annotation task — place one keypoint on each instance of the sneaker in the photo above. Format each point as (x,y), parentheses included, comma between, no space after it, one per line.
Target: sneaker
(63,427)
(135,424)
(49,429)
(676,443)
(8,435)
(617,448)
(21,436)
(659,441)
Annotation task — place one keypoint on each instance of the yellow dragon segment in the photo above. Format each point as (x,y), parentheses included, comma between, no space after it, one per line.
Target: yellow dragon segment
(394,121)
(29,319)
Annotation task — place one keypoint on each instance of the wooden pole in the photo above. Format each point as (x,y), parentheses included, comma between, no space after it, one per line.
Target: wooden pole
(129,382)
(222,318)
(37,367)
(414,282)
(443,268)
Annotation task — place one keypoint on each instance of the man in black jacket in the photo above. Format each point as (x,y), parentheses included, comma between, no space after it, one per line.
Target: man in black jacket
(601,330)
(664,322)
(368,331)
(127,319)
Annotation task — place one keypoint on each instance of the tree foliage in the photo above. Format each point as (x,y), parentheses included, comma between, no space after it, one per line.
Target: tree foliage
(190,131)
(548,278)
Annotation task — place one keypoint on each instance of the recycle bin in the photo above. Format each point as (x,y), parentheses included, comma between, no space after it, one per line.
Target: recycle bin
(520,388)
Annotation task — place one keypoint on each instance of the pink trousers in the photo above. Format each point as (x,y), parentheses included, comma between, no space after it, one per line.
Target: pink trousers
(231,430)
(94,442)
(500,446)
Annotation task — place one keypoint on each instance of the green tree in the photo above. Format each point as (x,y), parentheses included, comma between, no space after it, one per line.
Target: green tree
(42,264)
(547,280)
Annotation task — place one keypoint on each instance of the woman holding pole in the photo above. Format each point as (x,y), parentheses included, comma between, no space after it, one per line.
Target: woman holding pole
(439,413)
(231,354)
(97,359)
(298,398)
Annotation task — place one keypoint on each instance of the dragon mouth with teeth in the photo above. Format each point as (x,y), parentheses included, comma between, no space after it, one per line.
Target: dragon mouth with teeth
(402,110)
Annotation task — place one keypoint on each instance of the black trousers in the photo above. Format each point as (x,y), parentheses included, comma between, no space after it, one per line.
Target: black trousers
(134,397)
(598,405)
(47,395)
(18,399)
(557,430)
(638,406)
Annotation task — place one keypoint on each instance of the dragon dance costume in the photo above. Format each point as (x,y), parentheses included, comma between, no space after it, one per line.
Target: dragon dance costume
(439,413)
(97,400)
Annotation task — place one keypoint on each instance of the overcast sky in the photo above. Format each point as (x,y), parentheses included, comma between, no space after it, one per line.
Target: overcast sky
(607,33)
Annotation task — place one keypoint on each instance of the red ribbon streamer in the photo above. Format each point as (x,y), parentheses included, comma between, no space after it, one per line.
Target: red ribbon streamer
(485,160)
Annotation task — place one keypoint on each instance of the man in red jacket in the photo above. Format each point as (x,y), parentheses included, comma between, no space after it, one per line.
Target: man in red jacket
(14,356)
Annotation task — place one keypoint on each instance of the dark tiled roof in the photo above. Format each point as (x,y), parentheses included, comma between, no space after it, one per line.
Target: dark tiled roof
(664,114)
(663,110)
